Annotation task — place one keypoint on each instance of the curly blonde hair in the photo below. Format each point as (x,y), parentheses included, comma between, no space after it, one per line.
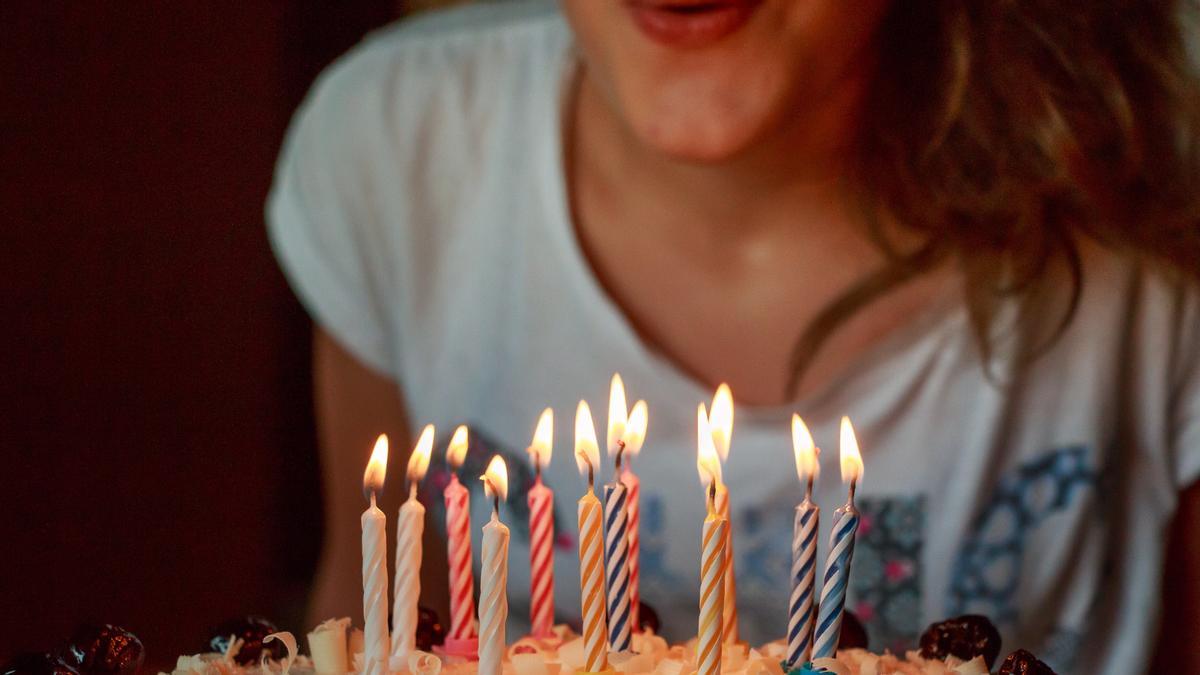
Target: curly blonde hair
(1027,125)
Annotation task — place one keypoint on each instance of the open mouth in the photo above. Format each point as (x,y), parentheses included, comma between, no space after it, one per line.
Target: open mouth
(690,23)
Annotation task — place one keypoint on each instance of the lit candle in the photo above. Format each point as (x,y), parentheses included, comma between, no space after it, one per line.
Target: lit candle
(616,527)
(709,635)
(841,552)
(591,555)
(721,424)
(801,614)
(493,578)
(541,532)
(461,640)
(374,565)
(410,525)
(635,434)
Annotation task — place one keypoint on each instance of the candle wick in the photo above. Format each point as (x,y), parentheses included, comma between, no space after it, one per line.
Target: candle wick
(850,498)
(712,495)
(537,469)
(372,499)
(809,490)
(620,454)
(591,476)
(495,504)
(412,490)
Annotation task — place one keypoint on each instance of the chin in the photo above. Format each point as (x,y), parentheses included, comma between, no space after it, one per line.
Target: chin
(704,120)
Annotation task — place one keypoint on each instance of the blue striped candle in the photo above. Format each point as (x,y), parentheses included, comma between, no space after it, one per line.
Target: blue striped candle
(835,581)
(616,558)
(802,609)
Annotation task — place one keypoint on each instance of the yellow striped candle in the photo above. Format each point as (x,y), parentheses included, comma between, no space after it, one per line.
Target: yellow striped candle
(591,556)
(721,428)
(710,630)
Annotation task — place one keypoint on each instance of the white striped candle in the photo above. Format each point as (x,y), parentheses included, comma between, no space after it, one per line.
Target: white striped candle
(836,578)
(801,608)
(616,557)
(802,605)
(835,581)
(493,579)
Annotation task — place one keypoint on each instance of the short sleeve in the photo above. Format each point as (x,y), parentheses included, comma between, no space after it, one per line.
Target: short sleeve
(1185,408)
(321,223)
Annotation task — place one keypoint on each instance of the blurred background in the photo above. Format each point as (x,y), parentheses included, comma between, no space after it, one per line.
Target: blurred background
(155,413)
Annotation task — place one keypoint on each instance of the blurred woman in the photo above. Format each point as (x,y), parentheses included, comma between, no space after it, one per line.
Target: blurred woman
(971,227)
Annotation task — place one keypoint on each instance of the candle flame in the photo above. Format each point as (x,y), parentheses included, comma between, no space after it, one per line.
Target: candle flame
(543,439)
(617,414)
(635,429)
(708,464)
(495,479)
(418,461)
(721,420)
(805,450)
(587,452)
(852,463)
(456,452)
(376,467)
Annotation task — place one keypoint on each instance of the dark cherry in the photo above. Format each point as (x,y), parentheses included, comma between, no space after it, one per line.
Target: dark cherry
(1022,662)
(965,636)
(648,618)
(252,630)
(105,649)
(430,631)
(38,664)
(853,635)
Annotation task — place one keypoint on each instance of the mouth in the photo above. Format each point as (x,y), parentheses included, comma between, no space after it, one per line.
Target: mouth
(690,24)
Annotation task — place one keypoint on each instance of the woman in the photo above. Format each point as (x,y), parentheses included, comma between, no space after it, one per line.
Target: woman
(971,227)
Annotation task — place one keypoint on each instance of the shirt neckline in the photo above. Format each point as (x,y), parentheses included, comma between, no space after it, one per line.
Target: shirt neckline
(614,325)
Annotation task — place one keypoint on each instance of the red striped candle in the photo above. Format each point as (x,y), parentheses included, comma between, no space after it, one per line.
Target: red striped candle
(541,532)
(462,640)
(635,434)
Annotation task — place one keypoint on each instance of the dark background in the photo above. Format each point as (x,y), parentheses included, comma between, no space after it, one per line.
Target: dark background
(155,413)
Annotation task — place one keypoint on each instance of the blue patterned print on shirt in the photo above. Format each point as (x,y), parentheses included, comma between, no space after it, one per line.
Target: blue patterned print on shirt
(886,583)
(988,568)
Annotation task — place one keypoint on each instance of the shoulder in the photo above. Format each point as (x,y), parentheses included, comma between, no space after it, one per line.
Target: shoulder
(452,63)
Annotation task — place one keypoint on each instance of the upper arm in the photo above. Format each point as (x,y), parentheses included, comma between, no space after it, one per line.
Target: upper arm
(354,404)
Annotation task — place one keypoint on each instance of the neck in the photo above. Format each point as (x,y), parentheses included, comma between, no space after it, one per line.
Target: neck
(798,163)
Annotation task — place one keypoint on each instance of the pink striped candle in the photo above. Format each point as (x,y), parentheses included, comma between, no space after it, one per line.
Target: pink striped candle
(635,435)
(541,532)
(462,640)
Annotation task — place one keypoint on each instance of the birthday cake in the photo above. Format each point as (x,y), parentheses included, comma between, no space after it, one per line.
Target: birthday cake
(966,645)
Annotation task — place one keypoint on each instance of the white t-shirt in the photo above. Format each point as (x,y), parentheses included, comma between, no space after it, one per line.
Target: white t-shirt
(419,210)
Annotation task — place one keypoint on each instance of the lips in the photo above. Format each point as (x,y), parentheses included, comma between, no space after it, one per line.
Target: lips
(690,23)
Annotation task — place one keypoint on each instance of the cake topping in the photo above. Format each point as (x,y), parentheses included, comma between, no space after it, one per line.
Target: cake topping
(104,648)
(250,631)
(648,618)
(430,631)
(964,637)
(853,635)
(38,664)
(1022,662)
